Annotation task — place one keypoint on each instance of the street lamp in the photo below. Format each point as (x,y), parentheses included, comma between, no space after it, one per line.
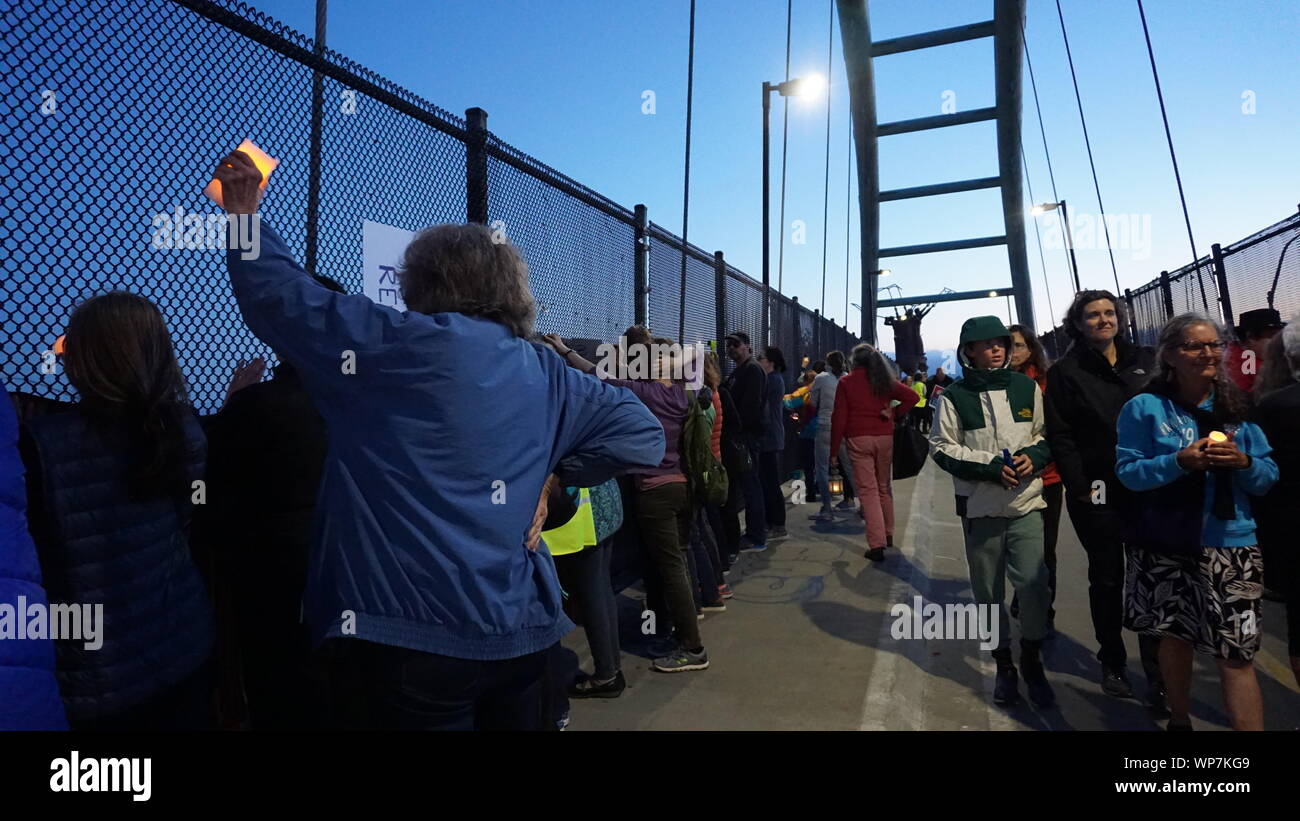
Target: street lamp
(1069,236)
(794,87)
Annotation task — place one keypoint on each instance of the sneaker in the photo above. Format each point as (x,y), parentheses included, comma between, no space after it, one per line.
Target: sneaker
(776,533)
(682,661)
(1115,683)
(750,547)
(699,615)
(826,511)
(1040,692)
(1006,689)
(823,517)
(847,504)
(725,591)
(876,554)
(588,688)
(717,607)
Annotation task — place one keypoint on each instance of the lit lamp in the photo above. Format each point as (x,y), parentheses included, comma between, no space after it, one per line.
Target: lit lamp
(836,483)
(1043,208)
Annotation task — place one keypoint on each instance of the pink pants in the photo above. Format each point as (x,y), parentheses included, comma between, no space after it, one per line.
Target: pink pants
(873,461)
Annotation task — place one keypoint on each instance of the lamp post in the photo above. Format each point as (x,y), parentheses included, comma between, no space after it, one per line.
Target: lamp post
(1069,235)
(794,87)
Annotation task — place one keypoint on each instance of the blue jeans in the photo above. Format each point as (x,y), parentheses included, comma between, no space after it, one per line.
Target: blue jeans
(585,575)
(755,509)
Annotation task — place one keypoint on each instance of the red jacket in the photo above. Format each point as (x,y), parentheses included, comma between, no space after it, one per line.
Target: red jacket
(857,409)
(1050,476)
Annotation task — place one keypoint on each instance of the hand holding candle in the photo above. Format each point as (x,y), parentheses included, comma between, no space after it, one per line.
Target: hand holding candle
(240,179)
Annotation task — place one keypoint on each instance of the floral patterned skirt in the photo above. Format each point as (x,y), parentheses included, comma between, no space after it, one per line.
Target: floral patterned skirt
(1210,601)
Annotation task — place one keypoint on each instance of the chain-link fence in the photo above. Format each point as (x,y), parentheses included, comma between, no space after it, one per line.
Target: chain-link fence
(1260,271)
(112,115)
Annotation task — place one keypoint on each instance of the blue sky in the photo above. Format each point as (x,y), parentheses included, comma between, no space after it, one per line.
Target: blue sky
(563,80)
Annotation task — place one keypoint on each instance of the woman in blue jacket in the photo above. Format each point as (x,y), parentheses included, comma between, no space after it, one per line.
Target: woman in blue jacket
(1194,575)
(29,693)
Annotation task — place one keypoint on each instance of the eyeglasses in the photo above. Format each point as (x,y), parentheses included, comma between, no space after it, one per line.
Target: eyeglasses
(1197,347)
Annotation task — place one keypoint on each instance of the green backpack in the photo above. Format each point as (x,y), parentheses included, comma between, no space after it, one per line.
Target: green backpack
(708,478)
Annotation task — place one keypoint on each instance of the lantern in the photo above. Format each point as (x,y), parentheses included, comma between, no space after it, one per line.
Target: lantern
(264,162)
(836,483)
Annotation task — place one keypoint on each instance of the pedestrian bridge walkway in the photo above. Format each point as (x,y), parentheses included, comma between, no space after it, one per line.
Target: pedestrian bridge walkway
(806,644)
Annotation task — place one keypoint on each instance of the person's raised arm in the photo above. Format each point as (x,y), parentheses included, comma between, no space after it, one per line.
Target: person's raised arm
(317,329)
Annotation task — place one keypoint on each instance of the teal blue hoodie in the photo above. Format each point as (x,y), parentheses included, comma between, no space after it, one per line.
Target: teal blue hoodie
(1152,430)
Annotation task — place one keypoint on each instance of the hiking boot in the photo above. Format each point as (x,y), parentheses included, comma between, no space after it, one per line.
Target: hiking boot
(1115,683)
(1006,688)
(590,688)
(682,661)
(1040,692)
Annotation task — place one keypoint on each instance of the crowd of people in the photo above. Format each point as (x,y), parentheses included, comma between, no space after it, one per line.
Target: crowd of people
(386,534)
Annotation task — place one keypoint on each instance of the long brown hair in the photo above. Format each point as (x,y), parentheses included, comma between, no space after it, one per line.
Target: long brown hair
(120,359)
(879,376)
(1037,356)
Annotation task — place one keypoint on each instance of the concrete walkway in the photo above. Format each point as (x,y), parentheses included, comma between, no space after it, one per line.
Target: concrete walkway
(806,644)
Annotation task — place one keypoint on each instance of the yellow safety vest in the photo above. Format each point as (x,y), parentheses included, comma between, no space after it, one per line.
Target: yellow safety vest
(575,534)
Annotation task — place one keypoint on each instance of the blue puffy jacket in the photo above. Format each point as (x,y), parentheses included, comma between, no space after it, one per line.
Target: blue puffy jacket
(442,430)
(29,692)
(98,546)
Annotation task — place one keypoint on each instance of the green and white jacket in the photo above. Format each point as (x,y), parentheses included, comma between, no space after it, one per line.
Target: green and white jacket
(974,419)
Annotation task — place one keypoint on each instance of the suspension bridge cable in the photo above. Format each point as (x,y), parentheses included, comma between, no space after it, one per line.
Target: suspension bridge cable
(686,183)
(1196,258)
(848,213)
(826,183)
(785,140)
(1041,259)
(1088,144)
(1051,175)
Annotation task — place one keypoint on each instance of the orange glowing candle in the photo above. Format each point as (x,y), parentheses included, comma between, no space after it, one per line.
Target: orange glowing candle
(264,162)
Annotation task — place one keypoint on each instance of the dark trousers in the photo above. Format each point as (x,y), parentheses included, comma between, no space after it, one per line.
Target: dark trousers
(752,486)
(663,515)
(585,575)
(1100,530)
(808,460)
(770,477)
(705,564)
(1054,495)
(381,687)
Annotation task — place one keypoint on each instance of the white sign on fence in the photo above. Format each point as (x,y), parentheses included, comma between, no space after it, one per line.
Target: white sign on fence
(381,253)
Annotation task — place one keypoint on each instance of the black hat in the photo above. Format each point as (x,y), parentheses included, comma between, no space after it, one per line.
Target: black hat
(1260,319)
(740,336)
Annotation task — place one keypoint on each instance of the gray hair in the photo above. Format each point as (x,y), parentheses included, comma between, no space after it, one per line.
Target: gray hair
(1291,345)
(1171,339)
(461,269)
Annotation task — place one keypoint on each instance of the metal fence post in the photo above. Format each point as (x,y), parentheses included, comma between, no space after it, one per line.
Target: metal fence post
(476,172)
(1132,315)
(1166,295)
(640,265)
(314,146)
(720,302)
(1221,274)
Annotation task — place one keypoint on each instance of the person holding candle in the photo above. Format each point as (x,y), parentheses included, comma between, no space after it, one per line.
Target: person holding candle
(1192,461)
